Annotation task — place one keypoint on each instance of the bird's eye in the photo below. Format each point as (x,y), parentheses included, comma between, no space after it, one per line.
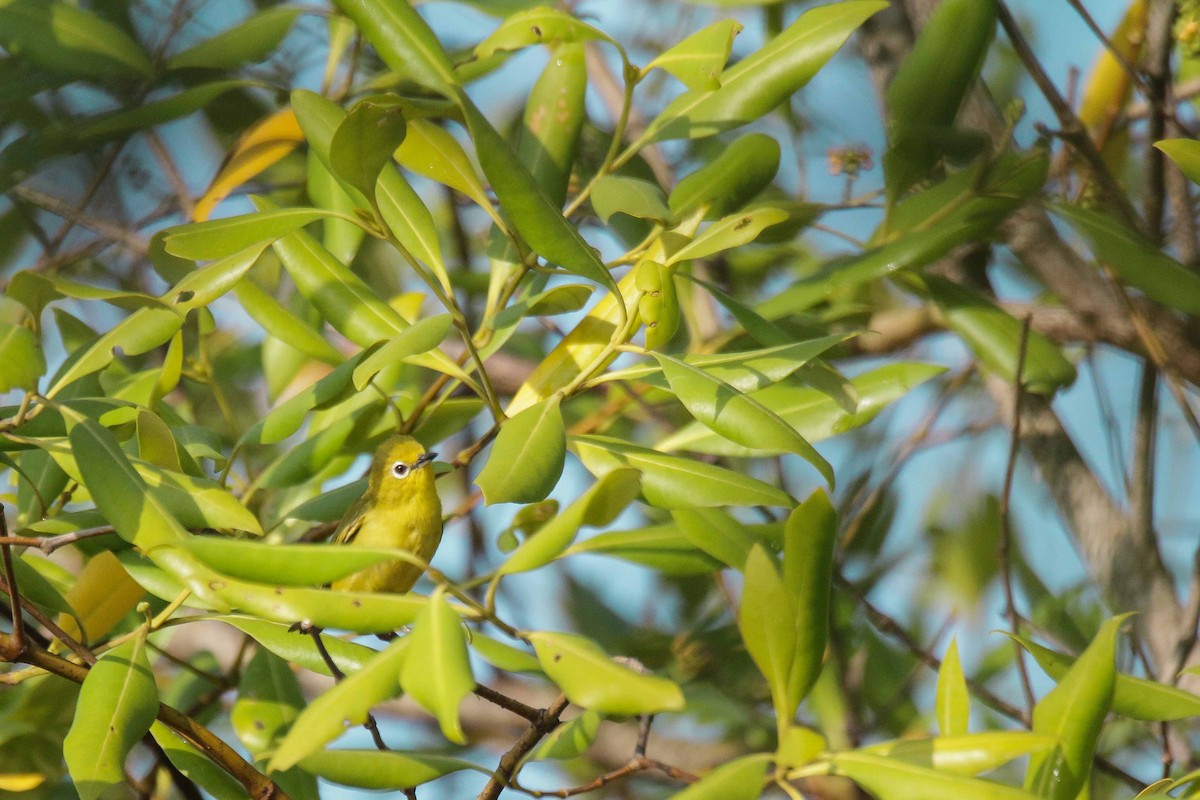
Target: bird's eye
(400,469)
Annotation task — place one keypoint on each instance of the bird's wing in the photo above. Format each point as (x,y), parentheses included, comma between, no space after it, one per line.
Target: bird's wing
(349,528)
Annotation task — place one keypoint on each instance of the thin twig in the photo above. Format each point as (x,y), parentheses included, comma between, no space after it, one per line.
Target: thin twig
(634,766)
(48,544)
(1073,130)
(1006,531)
(547,721)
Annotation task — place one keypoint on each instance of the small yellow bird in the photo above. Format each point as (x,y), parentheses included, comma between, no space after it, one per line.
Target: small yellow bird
(401,510)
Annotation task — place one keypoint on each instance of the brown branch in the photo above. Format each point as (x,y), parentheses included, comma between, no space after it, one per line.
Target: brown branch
(509,762)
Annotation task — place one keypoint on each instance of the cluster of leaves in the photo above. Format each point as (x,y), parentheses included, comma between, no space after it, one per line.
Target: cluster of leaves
(141,451)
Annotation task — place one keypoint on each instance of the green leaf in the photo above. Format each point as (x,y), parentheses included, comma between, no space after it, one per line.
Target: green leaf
(1135,260)
(201,287)
(401,208)
(895,779)
(222,237)
(552,302)
(661,547)
(537,26)
(372,769)
(953,704)
(757,84)
(365,140)
(738,173)
(438,675)
(268,701)
(248,42)
(1186,155)
(539,220)
(433,152)
(729,232)
(278,638)
(674,482)
(21,355)
(598,506)
(116,707)
(411,221)
(404,40)
(766,621)
(716,533)
(697,61)
(503,656)
(589,678)
(967,754)
(121,494)
(345,300)
(287,417)
(809,541)
(528,456)
(287,564)
(924,97)
(739,779)
(620,194)
(60,37)
(736,416)
(423,336)
(1073,712)
(285,326)
(140,332)
(553,121)
(568,740)
(746,371)
(995,337)
(814,414)
(1136,698)
(343,706)
(350,611)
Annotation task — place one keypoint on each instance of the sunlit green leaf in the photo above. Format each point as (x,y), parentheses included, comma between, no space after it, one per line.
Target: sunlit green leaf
(618,194)
(1073,712)
(729,181)
(698,60)
(598,506)
(953,702)
(22,357)
(528,456)
(760,82)
(117,705)
(438,674)
(736,416)
(814,414)
(591,679)
(373,769)
(674,482)
(343,706)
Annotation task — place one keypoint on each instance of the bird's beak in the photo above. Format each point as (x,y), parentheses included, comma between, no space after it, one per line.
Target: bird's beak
(424,459)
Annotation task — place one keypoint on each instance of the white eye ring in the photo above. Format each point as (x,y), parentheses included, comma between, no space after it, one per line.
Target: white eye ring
(400,469)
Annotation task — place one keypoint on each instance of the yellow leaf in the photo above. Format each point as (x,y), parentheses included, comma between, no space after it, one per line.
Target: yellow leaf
(260,147)
(1108,86)
(102,596)
(21,781)
(578,350)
